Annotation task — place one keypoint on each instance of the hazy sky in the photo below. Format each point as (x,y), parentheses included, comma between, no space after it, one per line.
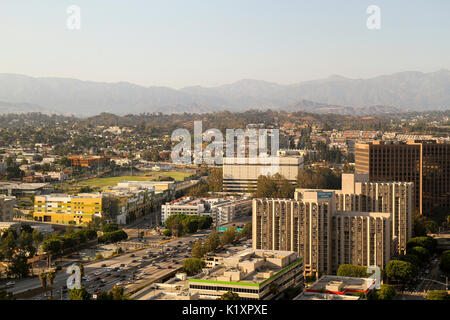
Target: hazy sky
(179,43)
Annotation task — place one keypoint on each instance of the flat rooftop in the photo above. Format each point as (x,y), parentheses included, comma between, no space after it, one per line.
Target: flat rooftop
(323,296)
(250,266)
(341,285)
(22,186)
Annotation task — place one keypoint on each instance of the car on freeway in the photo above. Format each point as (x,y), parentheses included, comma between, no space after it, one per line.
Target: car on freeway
(10,283)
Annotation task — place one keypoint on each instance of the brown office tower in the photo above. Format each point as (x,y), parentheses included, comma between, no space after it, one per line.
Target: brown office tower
(425,163)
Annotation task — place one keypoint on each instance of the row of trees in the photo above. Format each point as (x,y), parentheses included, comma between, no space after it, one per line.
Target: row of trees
(113,236)
(419,251)
(180,224)
(116,293)
(56,244)
(277,186)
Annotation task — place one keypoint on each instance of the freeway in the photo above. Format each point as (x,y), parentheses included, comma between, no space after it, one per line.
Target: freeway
(132,270)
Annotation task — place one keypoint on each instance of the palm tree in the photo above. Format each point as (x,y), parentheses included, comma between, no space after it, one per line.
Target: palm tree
(80,265)
(51,276)
(43,278)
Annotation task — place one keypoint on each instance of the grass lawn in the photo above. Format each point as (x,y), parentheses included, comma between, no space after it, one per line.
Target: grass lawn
(150,176)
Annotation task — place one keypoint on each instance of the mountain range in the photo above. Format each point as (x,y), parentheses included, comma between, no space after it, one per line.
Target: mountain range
(404,91)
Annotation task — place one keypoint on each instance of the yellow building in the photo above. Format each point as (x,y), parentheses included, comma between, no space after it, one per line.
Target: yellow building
(62,208)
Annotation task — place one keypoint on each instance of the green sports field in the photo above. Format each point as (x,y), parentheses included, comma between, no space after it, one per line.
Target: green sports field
(153,176)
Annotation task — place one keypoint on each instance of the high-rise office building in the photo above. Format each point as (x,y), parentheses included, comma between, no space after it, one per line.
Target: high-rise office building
(426,163)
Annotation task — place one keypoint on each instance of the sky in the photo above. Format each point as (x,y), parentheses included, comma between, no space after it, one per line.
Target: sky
(178,43)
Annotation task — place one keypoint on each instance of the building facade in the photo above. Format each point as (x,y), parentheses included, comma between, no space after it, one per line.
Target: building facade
(62,208)
(252,274)
(323,237)
(397,198)
(426,163)
(241,174)
(6,208)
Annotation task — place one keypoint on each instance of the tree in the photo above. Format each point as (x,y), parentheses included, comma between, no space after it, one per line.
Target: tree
(37,237)
(198,250)
(8,246)
(400,271)
(79,294)
(212,242)
(81,266)
(275,186)
(51,277)
(427,242)
(193,265)
(247,230)
(438,295)
(190,224)
(215,180)
(386,292)
(26,244)
(19,267)
(228,236)
(413,259)
(175,226)
(118,293)
(114,236)
(204,222)
(110,227)
(419,226)
(350,270)
(64,162)
(105,296)
(43,279)
(230,295)
(52,246)
(421,253)
(318,178)
(444,263)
